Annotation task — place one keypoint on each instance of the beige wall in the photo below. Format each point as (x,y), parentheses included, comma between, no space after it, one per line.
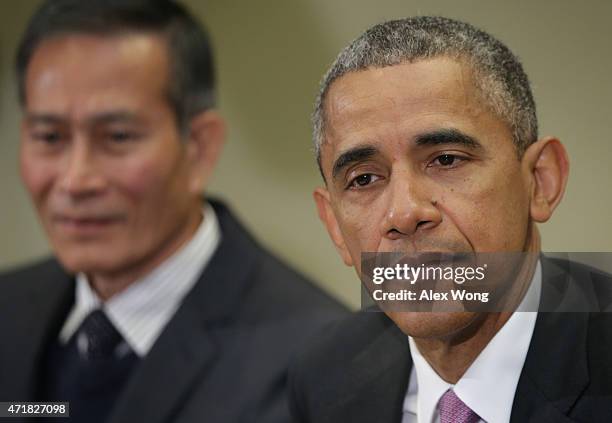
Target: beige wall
(271,55)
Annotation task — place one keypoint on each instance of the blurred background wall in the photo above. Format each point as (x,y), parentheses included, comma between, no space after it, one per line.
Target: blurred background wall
(270,56)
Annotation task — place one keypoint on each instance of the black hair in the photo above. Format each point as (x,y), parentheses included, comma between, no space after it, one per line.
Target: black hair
(191,85)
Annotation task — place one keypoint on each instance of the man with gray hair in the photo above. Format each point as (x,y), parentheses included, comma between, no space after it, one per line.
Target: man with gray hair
(426,137)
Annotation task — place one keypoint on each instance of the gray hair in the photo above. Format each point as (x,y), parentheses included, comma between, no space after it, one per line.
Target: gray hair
(498,74)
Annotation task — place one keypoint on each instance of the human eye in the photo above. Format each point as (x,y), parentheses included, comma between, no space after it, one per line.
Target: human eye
(448,161)
(121,136)
(47,139)
(46,134)
(362,181)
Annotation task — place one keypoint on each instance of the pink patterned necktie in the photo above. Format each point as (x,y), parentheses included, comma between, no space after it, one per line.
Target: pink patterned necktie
(453,410)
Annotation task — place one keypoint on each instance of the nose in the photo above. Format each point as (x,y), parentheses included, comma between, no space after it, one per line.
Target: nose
(80,176)
(411,208)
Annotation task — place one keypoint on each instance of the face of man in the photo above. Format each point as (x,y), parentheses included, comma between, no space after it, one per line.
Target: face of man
(414,162)
(101,154)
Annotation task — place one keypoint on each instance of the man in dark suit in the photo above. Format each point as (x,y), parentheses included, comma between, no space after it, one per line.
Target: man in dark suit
(158,307)
(426,137)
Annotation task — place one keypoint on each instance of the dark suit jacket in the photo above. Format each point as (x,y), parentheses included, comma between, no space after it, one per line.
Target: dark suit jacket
(223,357)
(358,370)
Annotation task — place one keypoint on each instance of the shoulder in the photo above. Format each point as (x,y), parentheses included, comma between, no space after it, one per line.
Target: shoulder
(576,287)
(31,269)
(333,352)
(574,342)
(343,340)
(288,291)
(21,280)
(285,308)
(273,289)
(594,402)
(31,293)
(340,358)
(599,345)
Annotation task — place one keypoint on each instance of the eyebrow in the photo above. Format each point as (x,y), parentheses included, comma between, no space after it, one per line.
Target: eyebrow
(352,155)
(448,136)
(104,117)
(44,118)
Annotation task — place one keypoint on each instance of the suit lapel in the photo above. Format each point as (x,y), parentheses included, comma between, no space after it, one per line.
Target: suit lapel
(186,349)
(555,371)
(378,381)
(163,378)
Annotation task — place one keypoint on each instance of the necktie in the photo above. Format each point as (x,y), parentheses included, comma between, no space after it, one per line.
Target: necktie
(102,337)
(93,383)
(453,410)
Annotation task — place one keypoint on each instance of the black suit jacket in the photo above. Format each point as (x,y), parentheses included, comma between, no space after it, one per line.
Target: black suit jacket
(223,357)
(359,370)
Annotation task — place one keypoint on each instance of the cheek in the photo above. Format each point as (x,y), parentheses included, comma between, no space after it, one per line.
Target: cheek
(359,225)
(37,175)
(154,183)
(138,178)
(490,215)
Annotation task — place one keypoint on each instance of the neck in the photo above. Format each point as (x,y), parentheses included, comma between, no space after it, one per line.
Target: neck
(107,285)
(451,356)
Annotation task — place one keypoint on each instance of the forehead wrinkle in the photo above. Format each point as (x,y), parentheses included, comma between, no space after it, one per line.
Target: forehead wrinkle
(79,76)
(456,84)
(345,103)
(349,113)
(452,92)
(65,57)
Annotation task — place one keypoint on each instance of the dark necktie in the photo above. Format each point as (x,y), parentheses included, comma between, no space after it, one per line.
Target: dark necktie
(88,372)
(453,410)
(101,336)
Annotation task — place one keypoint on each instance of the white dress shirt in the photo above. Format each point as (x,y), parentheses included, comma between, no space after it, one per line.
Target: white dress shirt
(143,309)
(489,384)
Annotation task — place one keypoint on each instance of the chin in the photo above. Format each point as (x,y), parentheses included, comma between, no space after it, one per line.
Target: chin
(88,260)
(440,325)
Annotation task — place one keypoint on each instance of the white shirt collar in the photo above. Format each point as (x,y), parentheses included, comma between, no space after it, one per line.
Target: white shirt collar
(489,384)
(142,310)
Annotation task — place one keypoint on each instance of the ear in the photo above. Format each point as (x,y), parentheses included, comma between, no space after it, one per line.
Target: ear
(548,165)
(207,131)
(327,216)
